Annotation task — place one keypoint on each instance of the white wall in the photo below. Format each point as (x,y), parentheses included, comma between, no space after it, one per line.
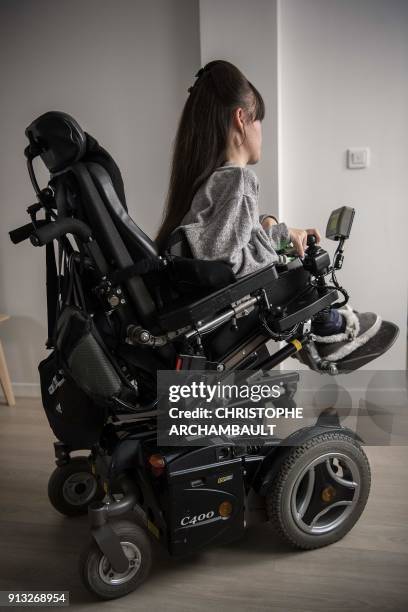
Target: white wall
(244,33)
(122,69)
(343,82)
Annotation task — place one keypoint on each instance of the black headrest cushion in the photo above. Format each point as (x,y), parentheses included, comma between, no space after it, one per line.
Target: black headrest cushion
(58,138)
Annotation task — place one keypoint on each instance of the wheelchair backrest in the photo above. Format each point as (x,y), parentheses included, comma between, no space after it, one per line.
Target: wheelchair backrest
(89,186)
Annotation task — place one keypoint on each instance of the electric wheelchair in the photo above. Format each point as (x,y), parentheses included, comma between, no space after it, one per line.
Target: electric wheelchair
(118,312)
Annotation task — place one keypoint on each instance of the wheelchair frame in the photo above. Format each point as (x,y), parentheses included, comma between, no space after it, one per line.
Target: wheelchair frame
(209,332)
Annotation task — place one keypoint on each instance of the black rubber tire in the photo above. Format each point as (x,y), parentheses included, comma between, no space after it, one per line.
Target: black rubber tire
(56,483)
(91,556)
(278,498)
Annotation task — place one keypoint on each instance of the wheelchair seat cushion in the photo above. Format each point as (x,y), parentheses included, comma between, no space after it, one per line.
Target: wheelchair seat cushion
(199,275)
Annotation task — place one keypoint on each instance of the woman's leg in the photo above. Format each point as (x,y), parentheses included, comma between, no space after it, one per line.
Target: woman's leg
(328,323)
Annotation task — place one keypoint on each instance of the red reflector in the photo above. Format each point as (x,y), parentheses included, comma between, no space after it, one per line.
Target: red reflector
(179,363)
(157,461)
(157,464)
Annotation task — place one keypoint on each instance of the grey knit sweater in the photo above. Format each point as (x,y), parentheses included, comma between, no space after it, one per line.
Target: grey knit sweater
(224,222)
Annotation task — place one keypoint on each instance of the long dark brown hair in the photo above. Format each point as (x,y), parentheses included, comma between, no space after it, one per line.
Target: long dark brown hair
(202,133)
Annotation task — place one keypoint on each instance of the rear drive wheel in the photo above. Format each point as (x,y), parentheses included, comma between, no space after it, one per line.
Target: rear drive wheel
(101,579)
(320,491)
(72,487)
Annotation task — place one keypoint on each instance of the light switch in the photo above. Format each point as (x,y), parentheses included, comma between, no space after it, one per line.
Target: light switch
(358,158)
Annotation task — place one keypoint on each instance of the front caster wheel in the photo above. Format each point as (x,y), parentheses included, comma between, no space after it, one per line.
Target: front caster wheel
(72,487)
(99,577)
(320,491)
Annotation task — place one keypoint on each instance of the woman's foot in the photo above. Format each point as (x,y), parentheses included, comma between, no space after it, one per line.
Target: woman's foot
(356,329)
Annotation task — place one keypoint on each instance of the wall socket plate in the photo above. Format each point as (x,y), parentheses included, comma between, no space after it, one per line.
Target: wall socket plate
(358,157)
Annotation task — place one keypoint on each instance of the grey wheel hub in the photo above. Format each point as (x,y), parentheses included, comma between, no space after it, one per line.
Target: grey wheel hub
(79,488)
(109,576)
(325,493)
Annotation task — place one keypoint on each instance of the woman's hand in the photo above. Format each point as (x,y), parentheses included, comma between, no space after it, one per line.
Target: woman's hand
(299,238)
(268,222)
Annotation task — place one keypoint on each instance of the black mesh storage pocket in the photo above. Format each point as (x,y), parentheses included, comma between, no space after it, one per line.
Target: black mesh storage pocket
(92,370)
(73,417)
(83,356)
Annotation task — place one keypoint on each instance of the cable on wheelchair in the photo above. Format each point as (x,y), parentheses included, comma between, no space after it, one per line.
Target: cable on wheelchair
(273,335)
(341,290)
(335,285)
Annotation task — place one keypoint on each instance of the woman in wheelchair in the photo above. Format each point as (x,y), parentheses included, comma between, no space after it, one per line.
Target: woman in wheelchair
(209,295)
(213,195)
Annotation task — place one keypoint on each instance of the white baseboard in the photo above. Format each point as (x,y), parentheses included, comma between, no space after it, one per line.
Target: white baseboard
(392,395)
(22,389)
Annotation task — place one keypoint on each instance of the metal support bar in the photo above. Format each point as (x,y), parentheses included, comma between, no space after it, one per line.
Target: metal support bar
(292,347)
(137,335)
(222,318)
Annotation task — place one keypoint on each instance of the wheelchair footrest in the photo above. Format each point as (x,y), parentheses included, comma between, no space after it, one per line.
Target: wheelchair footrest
(375,347)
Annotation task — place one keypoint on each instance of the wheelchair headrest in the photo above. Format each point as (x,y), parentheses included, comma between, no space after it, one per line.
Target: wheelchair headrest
(58,139)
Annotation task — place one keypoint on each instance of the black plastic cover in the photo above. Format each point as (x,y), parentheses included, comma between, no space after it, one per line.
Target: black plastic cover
(211,304)
(59,138)
(197,484)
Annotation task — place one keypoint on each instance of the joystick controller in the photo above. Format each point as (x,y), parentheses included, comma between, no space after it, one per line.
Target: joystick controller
(317,260)
(311,242)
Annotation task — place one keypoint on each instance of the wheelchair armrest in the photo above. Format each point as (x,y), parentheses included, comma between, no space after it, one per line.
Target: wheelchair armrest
(207,306)
(307,305)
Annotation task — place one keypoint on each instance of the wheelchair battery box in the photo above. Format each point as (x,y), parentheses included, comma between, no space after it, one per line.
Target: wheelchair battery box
(208,306)
(205,498)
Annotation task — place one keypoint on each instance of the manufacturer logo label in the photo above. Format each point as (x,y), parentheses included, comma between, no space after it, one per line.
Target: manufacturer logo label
(197,518)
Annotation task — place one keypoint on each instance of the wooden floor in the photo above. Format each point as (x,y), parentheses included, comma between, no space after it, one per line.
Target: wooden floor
(368,570)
